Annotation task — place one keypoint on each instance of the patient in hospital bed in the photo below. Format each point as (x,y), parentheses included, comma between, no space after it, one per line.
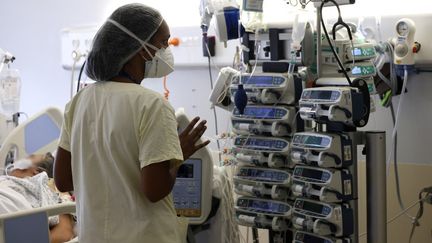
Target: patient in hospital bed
(27,186)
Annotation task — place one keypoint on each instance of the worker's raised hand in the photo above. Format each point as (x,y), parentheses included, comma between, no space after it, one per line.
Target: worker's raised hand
(190,136)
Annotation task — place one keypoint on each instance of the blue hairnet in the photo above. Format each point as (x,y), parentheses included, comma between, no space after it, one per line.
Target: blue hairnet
(112,47)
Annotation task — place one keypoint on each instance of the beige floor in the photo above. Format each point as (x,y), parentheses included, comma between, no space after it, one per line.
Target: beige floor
(413,178)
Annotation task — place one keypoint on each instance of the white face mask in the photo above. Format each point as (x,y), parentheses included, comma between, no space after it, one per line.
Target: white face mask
(162,62)
(161,65)
(22,164)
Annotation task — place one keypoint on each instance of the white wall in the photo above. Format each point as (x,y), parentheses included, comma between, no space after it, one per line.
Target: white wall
(30,30)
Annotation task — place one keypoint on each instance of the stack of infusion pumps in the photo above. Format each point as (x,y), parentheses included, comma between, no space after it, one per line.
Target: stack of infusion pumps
(291,180)
(262,149)
(357,57)
(324,180)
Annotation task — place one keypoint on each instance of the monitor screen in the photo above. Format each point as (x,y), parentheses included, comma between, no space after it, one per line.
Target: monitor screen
(185,171)
(187,189)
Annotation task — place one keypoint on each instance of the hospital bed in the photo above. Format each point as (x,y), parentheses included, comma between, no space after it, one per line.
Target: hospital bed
(37,135)
(31,225)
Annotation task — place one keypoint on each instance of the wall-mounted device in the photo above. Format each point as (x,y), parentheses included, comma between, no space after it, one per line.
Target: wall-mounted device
(404,44)
(264,120)
(322,149)
(5,58)
(347,105)
(323,218)
(263,213)
(324,184)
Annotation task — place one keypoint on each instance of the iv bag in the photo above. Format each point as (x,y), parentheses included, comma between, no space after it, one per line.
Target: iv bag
(301,19)
(10,91)
(252,15)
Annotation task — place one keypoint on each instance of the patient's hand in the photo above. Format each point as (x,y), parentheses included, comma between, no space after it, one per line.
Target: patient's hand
(64,230)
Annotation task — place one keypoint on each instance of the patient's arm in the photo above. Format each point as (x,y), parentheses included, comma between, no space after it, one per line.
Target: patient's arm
(63,231)
(63,170)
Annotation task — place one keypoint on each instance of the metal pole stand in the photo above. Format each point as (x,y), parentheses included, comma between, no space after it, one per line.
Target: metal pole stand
(376,187)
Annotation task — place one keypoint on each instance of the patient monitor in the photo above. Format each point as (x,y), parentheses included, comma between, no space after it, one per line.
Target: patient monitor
(37,135)
(192,191)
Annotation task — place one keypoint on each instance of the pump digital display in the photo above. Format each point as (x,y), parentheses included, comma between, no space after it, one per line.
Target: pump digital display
(363,52)
(356,70)
(262,80)
(363,70)
(312,173)
(315,208)
(268,206)
(311,141)
(263,206)
(262,175)
(319,141)
(262,112)
(262,144)
(357,52)
(320,95)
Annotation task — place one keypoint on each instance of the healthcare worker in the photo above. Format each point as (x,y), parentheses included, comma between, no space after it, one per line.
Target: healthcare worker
(119,149)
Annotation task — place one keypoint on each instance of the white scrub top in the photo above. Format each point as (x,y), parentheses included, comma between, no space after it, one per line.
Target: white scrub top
(113,130)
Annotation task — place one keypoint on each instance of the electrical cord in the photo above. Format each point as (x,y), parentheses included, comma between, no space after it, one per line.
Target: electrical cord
(386,53)
(73,76)
(257,49)
(401,205)
(419,214)
(397,118)
(339,22)
(79,76)
(214,109)
(397,216)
